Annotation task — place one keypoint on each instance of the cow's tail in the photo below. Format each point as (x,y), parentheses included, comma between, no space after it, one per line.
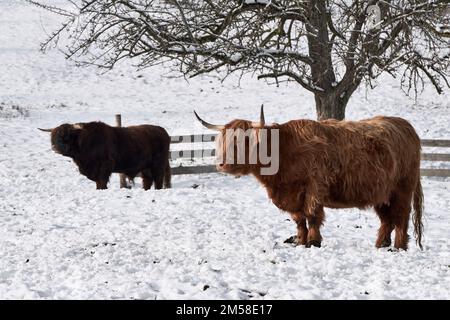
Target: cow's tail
(417,215)
(167,176)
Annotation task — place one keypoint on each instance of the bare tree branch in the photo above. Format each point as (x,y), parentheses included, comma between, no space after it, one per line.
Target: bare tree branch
(327,46)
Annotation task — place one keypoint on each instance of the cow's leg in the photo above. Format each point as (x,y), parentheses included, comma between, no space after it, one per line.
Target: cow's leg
(102,181)
(302,230)
(102,184)
(387,225)
(159,180)
(401,233)
(147,179)
(402,208)
(102,174)
(315,221)
(158,170)
(147,182)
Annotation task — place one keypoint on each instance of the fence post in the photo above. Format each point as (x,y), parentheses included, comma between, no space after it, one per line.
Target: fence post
(123,179)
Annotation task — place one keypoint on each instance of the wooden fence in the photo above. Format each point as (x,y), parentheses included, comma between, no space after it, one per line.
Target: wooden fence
(443,157)
(195,154)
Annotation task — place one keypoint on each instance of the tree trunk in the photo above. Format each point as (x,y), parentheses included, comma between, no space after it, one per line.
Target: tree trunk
(329,103)
(330,106)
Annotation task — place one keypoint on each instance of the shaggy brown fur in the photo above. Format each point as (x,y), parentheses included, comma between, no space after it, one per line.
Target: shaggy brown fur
(99,149)
(344,164)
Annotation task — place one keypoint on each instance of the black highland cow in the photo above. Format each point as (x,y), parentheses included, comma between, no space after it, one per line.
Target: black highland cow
(99,150)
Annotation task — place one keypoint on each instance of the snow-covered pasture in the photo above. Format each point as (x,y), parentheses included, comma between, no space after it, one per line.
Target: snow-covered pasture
(211,236)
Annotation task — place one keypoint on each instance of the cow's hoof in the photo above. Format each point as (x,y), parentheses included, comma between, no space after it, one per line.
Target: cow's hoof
(314,243)
(384,244)
(291,240)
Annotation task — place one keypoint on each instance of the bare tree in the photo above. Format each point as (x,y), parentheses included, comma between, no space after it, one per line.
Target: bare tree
(328,47)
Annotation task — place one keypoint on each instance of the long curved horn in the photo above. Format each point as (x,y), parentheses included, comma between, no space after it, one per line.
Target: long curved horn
(209,125)
(46,130)
(262,121)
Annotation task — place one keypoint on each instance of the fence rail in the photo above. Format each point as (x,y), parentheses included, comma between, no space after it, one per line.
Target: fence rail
(210,137)
(193,138)
(193,154)
(435,157)
(435,143)
(208,153)
(209,168)
(427,172)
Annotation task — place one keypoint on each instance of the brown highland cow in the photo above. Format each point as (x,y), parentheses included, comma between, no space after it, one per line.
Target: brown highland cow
(339,164)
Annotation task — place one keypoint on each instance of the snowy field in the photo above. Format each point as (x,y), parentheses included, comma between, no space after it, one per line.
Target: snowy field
(62,239)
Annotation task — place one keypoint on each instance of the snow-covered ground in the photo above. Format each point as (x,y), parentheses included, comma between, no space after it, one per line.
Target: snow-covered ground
(60,238)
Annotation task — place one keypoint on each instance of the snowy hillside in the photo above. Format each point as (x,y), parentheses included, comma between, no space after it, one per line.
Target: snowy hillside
(61,239)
